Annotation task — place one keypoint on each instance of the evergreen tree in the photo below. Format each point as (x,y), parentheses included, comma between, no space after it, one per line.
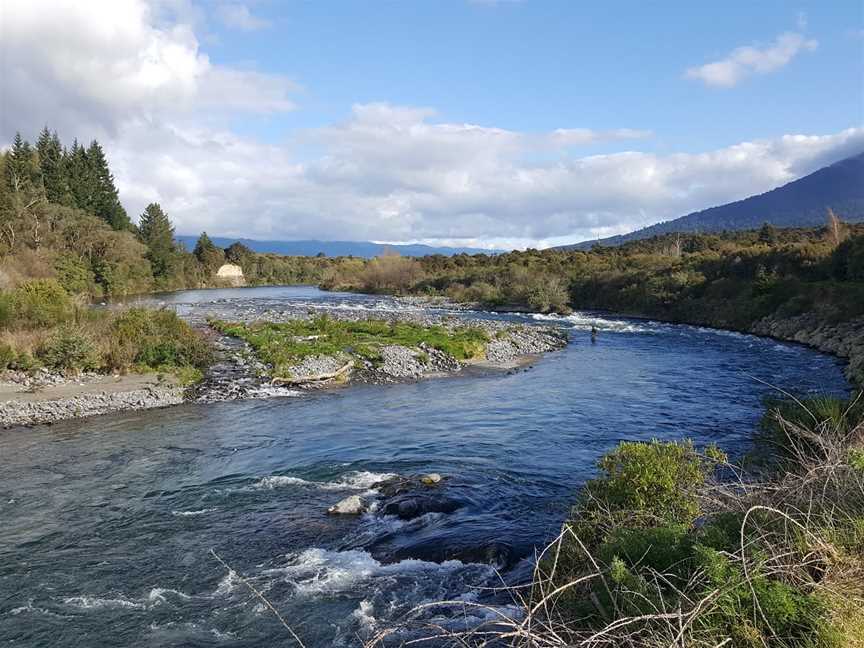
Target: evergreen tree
(157,233)
(207,253)
(80,178)
(105,201)
(51,165)
(239,254)
(22,175)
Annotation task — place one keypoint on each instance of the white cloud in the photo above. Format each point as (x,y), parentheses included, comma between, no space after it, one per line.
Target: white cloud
(412,179)
(238,16)
(137,79)
(91,66)
(750,60)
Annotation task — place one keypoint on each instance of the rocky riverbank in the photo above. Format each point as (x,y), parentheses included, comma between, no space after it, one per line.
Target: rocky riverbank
(844,340)
(49,397)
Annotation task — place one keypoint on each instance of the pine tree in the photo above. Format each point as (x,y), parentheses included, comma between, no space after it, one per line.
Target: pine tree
(105,201)
(22,176)
(157,233)
(207,253)
(80,179)
(51,165)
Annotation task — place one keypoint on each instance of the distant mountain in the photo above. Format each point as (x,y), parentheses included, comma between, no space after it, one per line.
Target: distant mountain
(365,249)
(801,203)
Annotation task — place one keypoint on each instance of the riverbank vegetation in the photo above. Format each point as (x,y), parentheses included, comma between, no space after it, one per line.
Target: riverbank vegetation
(42,326)
(671,545)
(729,279)
(285,345)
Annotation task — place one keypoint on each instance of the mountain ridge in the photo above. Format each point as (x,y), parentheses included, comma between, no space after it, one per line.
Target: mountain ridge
(799,203)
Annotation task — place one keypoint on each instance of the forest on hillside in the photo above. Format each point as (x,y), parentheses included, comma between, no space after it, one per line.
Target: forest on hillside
(61,218)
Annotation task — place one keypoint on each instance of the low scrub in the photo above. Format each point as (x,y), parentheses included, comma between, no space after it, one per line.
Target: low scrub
(41,326)
(153,339)
(41,302)
(286,344)
(70,348)
(674,547)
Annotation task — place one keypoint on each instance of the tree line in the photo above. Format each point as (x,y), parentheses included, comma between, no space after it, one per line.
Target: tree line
(61,218)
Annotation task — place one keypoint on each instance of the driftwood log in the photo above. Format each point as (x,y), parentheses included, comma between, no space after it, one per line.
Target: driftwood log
(317,378)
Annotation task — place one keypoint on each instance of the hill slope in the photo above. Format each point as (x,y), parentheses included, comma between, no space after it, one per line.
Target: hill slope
(801,203)
(366,249)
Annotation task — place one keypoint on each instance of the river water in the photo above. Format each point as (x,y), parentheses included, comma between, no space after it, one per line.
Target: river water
(108,523)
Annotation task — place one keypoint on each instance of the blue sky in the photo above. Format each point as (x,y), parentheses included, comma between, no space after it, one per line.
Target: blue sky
(538,65)
(468,122)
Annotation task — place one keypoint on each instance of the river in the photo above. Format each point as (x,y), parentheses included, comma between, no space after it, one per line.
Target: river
(108,523)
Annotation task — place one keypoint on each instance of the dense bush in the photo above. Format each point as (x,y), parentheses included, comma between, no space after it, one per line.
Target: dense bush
(70,348)
(41,302)
(154,339)
(659,480)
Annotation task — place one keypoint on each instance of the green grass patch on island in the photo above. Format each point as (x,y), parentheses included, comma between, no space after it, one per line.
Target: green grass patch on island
(283,345)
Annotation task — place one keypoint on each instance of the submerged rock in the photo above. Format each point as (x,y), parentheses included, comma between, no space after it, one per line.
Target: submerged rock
(409,506)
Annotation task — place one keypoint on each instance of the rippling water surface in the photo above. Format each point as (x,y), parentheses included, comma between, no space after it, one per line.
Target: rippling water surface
(107,523)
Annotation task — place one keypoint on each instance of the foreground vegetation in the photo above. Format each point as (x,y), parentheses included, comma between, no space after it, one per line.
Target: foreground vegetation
(285,345)
(673,546)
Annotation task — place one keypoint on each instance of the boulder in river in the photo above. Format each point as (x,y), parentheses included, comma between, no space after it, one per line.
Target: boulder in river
(351,505)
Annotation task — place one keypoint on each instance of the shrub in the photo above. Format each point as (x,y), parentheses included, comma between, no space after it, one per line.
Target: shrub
(155,339)
(75,275)
(657,480)
(7,310)
(70,348)
(41,302)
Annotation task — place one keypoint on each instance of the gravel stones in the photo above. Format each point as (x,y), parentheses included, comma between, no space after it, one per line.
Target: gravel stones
(15,412)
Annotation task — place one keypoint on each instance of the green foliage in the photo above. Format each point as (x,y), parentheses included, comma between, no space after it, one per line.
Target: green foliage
(754,607)
(208,255)
(157,233)
(778,567)
(7,356)
(75,275)
(70,348)
(848,259)
(785,430)
(155,339)
(41,302)
(659,480)
(239,254)
(104,201)
(285,345)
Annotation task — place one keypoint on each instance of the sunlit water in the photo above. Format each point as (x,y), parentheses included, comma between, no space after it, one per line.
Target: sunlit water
(107,523)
